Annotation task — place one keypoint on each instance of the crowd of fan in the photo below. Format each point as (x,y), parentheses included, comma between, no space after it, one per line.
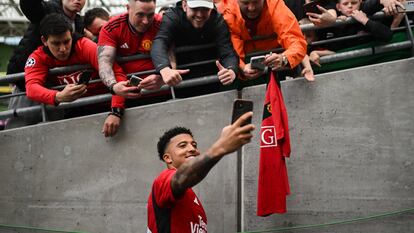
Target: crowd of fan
(58,36)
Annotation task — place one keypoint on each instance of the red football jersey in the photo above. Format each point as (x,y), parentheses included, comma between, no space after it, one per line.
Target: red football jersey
(41,60)
(166,214)
(119,34)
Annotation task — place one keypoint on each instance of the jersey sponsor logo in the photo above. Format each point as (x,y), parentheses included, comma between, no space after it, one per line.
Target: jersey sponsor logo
(124,46)
(268,136)
(30,62)
(196,201)
(146,44)
(200,227)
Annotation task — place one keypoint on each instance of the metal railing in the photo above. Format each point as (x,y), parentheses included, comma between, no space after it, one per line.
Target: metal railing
(101,98)
(207,79)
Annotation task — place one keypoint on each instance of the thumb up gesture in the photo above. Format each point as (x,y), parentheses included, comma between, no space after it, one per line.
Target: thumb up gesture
(225,75)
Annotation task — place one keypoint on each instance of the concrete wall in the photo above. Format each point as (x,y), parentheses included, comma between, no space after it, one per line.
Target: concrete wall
(67,175)
(352,136)
(352,139)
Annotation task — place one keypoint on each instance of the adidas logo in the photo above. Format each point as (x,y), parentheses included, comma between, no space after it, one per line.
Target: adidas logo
(124,46)
(196,201)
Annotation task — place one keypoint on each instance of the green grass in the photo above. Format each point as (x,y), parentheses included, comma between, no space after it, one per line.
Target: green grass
(3,107)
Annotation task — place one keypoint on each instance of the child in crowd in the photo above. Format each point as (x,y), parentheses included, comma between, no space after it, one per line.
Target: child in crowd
(346,9)
(351,8)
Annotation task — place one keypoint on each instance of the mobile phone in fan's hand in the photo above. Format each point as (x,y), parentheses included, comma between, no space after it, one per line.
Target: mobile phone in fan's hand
(134,80)
(85,77)
(257,63)
(240,107)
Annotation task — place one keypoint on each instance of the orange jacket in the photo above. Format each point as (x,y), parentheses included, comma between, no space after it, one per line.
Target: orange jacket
(276,18)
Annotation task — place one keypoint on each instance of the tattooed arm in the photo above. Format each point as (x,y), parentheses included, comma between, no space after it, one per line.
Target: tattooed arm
(193,171)
(106,59)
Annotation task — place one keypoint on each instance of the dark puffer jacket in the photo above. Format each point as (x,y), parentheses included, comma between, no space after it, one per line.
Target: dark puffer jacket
(176,29)
(34,10)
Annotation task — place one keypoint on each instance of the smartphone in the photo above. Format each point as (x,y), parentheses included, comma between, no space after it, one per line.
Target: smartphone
(85,77)
(240,107)
(256,62)
(134,80)
(311,7)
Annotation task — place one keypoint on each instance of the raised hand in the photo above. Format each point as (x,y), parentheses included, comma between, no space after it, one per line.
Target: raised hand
(225,75)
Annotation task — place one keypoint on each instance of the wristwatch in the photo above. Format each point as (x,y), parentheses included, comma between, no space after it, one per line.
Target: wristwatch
(119,112)
(285,61)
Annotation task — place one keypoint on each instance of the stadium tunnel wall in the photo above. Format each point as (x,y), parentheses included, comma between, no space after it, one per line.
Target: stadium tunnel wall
(352,135)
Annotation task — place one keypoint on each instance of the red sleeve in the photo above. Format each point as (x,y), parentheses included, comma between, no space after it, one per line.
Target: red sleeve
(118,101)
(36,71)
(162,189)
(106,38)
(289,34)
(88,52)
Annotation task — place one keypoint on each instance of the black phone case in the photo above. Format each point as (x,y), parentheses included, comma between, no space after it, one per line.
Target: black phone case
(256,63)
(134,81)
(312,6)
(240,107)
(85,77)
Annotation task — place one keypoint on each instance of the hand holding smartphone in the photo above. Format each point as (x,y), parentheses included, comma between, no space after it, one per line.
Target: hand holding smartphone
(240,107)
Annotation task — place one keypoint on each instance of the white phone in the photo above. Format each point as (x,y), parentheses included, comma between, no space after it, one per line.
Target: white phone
(257,62)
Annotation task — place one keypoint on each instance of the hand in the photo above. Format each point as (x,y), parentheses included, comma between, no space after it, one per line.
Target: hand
(314,57)
(307,72)
(70,93)
(390,6)
(360,16)
(233,137)
(123,89)
(273,60)
(342,17)
(111,125)
(225,75)
(172,77)
(326,17)
(250,73)
(151,82)
(88,34)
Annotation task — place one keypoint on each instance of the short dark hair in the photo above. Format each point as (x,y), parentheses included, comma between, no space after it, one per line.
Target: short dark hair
(166,137)
(54,24)
(93,13)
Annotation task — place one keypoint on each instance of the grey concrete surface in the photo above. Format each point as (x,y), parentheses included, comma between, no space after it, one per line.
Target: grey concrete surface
(352,135)
(352,155)
(66,175)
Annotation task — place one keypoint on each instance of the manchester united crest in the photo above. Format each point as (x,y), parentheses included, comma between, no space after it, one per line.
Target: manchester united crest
(269,108)
(146,44)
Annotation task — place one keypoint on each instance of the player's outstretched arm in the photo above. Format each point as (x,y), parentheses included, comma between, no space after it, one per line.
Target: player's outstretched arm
(193,171)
